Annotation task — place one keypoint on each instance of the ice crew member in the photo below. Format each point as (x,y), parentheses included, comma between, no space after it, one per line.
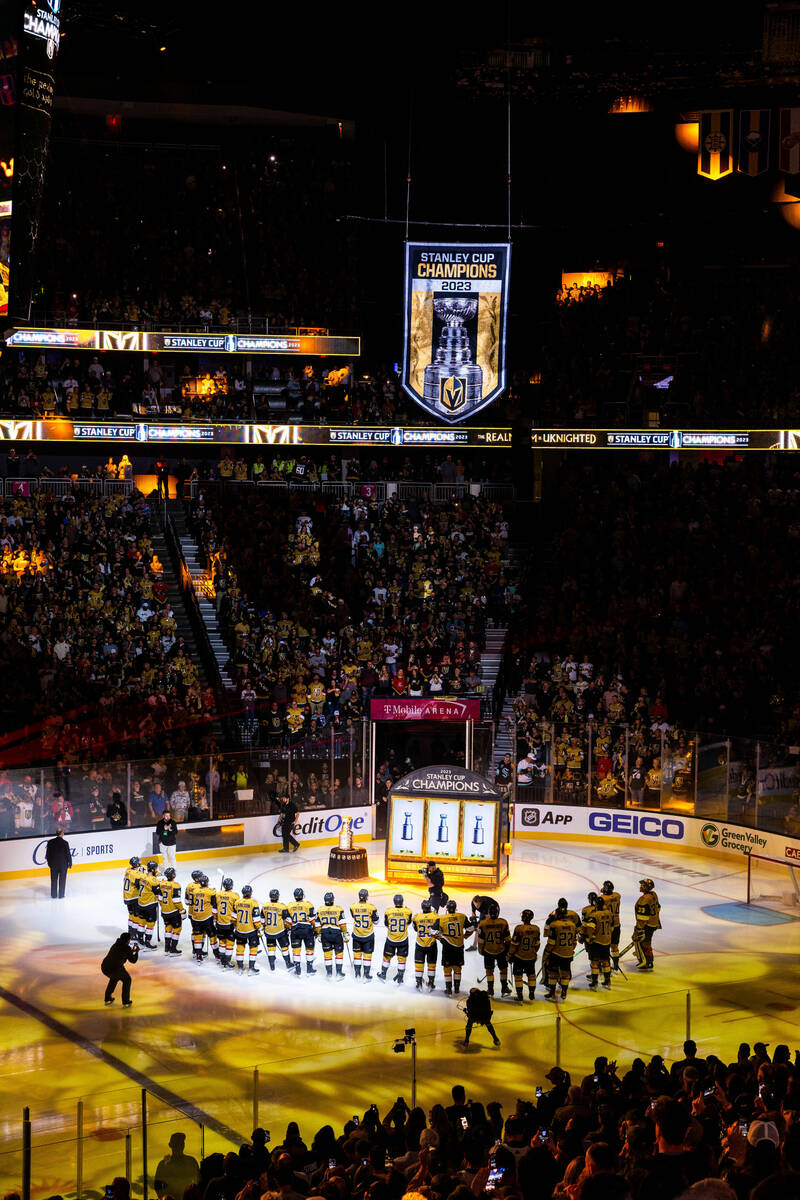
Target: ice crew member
(365,918)
(596,933)
(245,930)
(611,900)
(148,903)
(172,910)
(435,879)
(523,951)
(562,938)
(225,916)
(451,931)
(130,896)
(424,923)
(494,938)
(300,921)
(274,917)
(647,922)
(332,929)
(201,913)
(397,920)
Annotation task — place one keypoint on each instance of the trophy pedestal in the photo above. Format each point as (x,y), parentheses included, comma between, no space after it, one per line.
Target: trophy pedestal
(348,864)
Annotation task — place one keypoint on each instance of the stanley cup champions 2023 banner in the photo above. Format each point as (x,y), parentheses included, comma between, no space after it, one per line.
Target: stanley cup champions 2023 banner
(456,301)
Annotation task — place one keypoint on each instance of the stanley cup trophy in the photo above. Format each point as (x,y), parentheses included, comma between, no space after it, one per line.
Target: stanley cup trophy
(453,382)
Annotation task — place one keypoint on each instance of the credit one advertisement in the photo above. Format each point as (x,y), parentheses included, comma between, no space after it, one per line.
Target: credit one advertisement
(113,848)
(563,820)
(62,429)
(136,341)
(454,343)
(662,439)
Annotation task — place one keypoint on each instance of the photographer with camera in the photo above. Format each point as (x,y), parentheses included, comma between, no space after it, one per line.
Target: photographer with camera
(436,892)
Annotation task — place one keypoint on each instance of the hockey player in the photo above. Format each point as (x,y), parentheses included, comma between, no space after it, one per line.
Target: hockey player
(570,914)
(245,930)
(274,916)
(201,913)
(479,908)
(172,910)
(365,918)
(397,920)
(300,922)
(589,908)
(451,930)
(562,938)
(611,900)
(424,923)
(332,929)
(647,922)
(148,903)
(523,950)
(596,934)
(494,938)
(225,918)
(130,896)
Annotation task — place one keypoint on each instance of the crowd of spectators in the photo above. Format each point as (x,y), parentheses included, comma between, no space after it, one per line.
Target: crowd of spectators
(700,1129)
(330,602)
(87,632)
(667,607)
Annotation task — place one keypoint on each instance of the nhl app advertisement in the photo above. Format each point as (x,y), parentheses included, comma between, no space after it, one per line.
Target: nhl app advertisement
(456,300)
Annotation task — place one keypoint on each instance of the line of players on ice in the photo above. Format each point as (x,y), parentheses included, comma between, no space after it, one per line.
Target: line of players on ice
(230,921)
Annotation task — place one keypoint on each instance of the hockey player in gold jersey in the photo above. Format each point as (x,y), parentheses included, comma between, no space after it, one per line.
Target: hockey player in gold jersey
(595,933)
(147,909)
(172,910)
(300,923)
(424,924)
(365,918)
(611,900)
(523,950)
(562,938)
(648,920)
(130,897)
(494,938)
(247,923)
(274,917)
(202,899)
(332,929)
(451,930)
(225,917)
(397,920)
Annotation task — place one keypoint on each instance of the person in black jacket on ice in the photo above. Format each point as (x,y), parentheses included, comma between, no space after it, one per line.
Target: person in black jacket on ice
(113,967)
(288,811)
(58,857)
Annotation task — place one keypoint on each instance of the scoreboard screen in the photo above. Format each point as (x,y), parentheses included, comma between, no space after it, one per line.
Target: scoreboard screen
(9,19)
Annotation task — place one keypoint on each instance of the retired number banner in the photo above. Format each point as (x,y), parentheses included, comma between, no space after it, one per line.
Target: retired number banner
(456,299)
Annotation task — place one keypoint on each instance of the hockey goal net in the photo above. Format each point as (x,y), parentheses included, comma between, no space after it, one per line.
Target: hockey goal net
(773,883)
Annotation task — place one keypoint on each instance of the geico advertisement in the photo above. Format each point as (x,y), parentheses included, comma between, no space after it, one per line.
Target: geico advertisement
(533,820)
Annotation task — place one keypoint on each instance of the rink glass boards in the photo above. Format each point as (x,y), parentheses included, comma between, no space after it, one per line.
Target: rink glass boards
(465,837)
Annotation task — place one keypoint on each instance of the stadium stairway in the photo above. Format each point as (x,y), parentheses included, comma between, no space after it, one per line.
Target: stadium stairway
(190,554)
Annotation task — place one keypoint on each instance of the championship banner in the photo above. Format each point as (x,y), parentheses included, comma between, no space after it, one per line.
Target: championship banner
(789,141)
(454,349)
(715,156)
(753,141)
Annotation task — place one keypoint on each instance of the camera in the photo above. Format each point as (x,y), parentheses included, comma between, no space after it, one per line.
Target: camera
(399,1047)
(423,871)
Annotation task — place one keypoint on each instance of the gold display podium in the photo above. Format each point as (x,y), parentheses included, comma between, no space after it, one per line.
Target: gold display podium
(453,816)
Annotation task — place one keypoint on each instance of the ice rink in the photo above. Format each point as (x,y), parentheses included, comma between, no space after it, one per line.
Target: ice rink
(324,1051)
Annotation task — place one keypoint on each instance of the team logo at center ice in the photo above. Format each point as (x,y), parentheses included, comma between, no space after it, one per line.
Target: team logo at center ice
(710,835)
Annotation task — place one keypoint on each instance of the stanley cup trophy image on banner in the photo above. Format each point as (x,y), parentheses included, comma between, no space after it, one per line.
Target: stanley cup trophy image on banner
(454,353)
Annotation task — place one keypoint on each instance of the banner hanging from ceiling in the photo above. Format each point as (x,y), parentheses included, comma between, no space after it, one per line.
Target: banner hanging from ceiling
(454,350)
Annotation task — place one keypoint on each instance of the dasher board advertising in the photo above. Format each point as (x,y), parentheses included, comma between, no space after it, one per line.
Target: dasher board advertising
(479,829)
(443,818)
(454,345)
(406,833)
